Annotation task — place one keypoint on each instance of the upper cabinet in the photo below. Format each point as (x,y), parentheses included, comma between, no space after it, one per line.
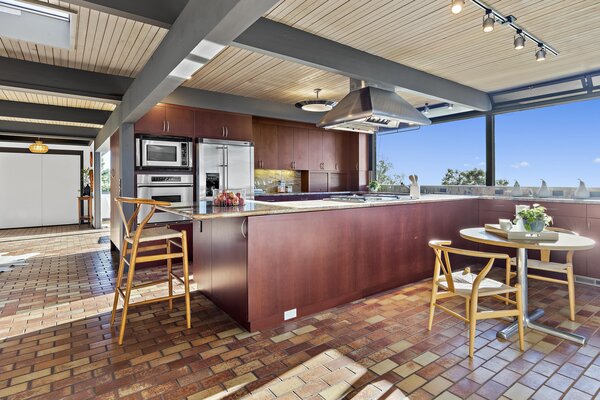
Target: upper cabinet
(222,125)
(167,120)
(265,146)
(358,152)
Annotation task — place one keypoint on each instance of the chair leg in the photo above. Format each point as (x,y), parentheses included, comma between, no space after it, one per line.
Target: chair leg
(186,278)
(571,286)
(432,305)
(169,274)
(467,307)
(508,273)
(130,275)
(520,319)
(472,324)
(118,283)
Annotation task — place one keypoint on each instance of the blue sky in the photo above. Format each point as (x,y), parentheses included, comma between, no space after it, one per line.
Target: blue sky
(559,144)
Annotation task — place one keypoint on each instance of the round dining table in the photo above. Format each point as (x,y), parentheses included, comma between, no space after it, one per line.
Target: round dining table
(565,242)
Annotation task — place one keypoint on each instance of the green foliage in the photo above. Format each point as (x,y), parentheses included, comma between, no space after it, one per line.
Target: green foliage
(85,176)
(475,176)
(386,175)
(374,185)
(534,214)
(105,181)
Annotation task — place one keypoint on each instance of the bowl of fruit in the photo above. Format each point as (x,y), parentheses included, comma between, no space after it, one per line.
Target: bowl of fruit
(229,199)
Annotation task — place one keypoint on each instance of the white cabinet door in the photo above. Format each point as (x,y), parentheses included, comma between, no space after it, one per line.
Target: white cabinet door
(60,184)
(20,190)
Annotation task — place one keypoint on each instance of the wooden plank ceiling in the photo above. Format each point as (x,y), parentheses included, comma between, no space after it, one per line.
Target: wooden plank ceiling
(104,43)
(421,34)
(54,100)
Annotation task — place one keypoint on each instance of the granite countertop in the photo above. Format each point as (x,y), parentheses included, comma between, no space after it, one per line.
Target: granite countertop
(541,200)
(205,210)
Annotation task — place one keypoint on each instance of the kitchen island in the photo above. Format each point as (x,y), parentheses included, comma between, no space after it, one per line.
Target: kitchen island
(264,263)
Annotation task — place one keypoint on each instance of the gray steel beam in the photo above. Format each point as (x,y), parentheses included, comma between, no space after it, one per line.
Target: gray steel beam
(202,28)
(282,41)
(156,12)
(47,129)
(54,113)
(490,150)
(198,98)
(29,75)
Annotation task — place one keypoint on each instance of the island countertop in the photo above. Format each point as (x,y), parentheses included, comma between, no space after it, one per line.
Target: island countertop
(205,210)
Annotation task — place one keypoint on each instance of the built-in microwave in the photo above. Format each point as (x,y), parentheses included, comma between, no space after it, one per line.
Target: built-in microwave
(161,152)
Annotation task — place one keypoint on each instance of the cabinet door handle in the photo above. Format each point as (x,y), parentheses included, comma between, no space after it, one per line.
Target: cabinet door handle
(242,228)
(168,127)
(357,166)
(226,132)
(336,166)
(164,128)
(589,224)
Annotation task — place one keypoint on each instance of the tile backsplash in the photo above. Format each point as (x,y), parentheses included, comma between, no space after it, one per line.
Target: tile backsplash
(268,179)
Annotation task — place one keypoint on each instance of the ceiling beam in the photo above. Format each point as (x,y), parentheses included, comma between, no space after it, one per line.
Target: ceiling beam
(53,113)
(20,74)
(199,98)
(282,41)
(155,12)
(202,29)
(29,138)
(44,130)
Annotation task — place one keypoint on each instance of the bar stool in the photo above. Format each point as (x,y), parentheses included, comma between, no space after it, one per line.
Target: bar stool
(132,247)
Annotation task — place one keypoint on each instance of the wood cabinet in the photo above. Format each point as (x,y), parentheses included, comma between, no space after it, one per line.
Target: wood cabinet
(337,182)
(301,148)
(292,148)
(265,146)
(358,152)
(329,158)
(341,151)
(222,125)
(593,231)
(315,150)
(167,120)
(315,181)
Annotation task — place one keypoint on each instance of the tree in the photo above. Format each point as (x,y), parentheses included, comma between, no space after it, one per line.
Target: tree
(475,176)
(105,181)
(386,174)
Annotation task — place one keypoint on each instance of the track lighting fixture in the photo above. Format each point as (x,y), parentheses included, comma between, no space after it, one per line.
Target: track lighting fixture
(488,21)
(540,54)
(521,35)
(457,6)
(450,106)
(519,40)
(426,109)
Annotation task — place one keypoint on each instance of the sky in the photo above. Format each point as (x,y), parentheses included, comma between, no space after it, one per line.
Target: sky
(558,143)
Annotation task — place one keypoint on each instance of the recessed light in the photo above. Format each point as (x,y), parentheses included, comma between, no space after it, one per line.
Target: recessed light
(457,6)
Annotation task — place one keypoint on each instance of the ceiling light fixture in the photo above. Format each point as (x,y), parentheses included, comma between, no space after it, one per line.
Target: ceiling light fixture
(450,106)
(540,54)
(38,147)
(519,41)
(316,105)
(426,109)
(457,6)
(488,21)
(521,35)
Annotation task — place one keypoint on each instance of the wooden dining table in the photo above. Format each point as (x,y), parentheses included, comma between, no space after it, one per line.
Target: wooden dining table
(565,242)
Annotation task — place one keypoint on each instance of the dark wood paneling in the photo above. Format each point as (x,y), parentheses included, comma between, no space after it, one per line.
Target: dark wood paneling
(315,150)
(153,122)
(266,147)
(202,265)
(180,121)
(209,124)
(301,148)
(285,147)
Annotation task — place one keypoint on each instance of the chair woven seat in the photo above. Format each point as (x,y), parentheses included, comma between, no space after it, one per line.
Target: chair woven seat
(160,233)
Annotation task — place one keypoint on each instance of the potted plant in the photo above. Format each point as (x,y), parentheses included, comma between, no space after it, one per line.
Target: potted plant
(535,218)
(86,179)
(374,186)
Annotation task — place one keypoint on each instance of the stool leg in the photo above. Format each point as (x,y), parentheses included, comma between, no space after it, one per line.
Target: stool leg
(127,293)
(186,278)
(169,274)
(118,282)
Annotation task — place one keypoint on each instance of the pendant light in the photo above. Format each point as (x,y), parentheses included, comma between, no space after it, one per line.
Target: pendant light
(540,54)
(519,40)
(457,6)
(38,147)
(316,105)
(488,21)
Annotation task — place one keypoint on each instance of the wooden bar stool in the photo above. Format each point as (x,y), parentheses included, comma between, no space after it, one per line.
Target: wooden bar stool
(131,247)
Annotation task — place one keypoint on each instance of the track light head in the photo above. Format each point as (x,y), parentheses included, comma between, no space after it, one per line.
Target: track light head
(488,21)
(540,54)
(426,109)
(519,40)
(457,6)
(450,106)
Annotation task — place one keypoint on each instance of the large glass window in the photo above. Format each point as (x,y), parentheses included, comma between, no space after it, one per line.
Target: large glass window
(559,144)
(447,153)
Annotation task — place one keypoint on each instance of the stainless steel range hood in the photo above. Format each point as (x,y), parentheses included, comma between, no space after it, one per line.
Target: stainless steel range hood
(368,109)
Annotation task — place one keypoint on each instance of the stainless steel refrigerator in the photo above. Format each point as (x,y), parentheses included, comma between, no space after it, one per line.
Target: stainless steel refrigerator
(225,165)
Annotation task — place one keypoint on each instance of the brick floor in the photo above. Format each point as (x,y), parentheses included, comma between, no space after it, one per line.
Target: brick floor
(56,342)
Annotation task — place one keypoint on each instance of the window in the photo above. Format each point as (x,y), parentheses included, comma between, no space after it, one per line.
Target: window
(558,144)
(430,151)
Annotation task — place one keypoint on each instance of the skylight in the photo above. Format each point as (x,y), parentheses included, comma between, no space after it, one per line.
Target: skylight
(46,25)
